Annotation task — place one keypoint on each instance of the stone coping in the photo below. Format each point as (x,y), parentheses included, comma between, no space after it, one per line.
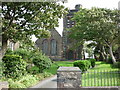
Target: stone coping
(68,69)
(4,83)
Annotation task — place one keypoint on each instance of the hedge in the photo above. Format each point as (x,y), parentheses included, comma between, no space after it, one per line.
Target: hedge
(92,62)
(42,62)
(14,66)
(82,64)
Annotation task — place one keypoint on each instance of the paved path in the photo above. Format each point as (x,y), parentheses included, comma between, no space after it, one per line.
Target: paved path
(47,83)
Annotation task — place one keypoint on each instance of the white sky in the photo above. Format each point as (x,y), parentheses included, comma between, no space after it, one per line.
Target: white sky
(112,4)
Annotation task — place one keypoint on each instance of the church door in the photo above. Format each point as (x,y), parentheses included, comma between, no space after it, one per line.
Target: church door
(70,55)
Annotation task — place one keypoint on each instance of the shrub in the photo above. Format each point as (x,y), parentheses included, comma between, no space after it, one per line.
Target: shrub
(47,74)
(9,52)
(88,64)
(28,80)
(33,70)
(82,64)
(116,65)
(23,53)
(22,82)
(92,62)
(42,62)
(14,66)
(110,60)
(16,85)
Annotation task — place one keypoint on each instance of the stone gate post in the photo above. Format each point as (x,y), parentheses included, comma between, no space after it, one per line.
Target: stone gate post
(68,77)
(4,85)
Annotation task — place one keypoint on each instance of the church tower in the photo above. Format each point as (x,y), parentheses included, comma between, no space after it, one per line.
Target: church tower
(67,43)
(119,5)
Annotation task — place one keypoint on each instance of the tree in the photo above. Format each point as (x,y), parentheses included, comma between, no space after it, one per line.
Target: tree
(100,50)
(97,24)
(23,19)
(88,49)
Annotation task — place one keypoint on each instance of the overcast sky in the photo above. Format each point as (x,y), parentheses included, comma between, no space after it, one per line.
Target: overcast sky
(112,4)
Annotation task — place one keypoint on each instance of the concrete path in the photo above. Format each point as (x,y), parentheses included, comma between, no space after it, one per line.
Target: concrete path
(50,82)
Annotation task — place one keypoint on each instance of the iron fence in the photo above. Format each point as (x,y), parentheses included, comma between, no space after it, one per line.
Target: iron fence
(101,78)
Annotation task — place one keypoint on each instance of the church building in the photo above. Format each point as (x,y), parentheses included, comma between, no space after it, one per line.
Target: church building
(52,46)
(58,47)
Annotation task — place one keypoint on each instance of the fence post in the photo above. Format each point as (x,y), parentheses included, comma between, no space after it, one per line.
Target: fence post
(68,77)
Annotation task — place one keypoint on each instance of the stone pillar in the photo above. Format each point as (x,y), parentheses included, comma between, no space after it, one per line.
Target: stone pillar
(68,77)
(4,85)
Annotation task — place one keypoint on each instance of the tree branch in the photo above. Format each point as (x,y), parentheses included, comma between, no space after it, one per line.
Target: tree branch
(28,20)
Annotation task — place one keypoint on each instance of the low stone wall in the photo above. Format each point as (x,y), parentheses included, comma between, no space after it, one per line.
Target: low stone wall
(4,85)
(68,77)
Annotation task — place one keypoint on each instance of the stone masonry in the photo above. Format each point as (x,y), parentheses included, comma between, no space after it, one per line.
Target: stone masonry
(68,77)
(4,85)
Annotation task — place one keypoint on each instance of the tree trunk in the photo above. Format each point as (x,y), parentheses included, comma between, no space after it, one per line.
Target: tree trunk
(111,54)
(4,45)
(118,51)
(83,54)
(101,57)
(105,54)
(96,57)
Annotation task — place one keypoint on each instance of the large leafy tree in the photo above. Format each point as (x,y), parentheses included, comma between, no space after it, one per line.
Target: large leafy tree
(97,24)
(20,20)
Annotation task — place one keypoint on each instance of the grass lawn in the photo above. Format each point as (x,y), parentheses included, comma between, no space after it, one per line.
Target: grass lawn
(56,64)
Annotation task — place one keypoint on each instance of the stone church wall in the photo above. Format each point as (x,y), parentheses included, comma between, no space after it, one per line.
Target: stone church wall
(57,47)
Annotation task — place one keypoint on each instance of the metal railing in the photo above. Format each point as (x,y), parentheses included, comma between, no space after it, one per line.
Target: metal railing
(101,78)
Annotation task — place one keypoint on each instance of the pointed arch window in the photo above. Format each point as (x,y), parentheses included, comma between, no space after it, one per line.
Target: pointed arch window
(53,47)
(45,47)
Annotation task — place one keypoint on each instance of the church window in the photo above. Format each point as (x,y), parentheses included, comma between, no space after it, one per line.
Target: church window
(73,22)
(45,47)
(68,26)
(53,47)
(68,20)
(68,23)
(72,25)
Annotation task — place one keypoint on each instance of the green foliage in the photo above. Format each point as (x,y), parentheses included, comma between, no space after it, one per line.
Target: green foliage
(17,85)
(23,82)
(110,60)
(27,80)
(42,61)
(14,66)
(82,64)
(33,70)
(23,19)
(9,52)
(116,65)
(97,24)
(55,65)
(32,56)
(24,53)
(47,74)
(92,62)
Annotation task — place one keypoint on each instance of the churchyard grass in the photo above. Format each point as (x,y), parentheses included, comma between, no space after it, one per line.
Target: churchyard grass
(102,75)
(57,64)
